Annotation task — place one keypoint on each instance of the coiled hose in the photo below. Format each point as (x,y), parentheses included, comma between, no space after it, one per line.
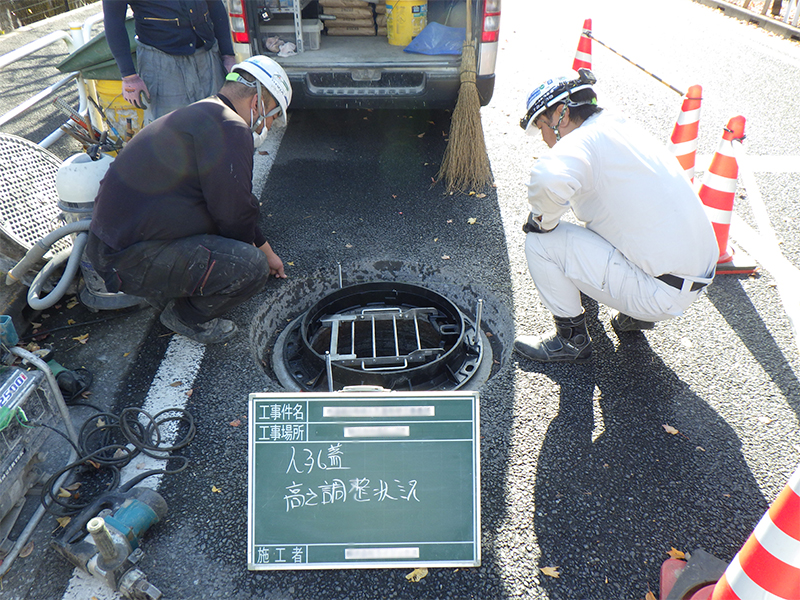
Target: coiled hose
(71,255)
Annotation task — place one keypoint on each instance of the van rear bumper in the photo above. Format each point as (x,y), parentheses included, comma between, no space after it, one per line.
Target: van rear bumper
(310,91)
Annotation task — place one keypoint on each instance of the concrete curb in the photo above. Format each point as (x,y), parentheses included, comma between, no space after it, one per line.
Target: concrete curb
(770,24)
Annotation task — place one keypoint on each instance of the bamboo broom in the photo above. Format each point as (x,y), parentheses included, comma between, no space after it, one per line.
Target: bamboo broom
(465,165)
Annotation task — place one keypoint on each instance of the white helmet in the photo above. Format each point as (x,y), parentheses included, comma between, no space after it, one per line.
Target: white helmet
(554,90)
(269,74)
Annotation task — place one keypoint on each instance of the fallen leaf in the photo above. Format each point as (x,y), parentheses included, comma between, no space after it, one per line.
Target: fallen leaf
(70,321)
(63,521)
(551,571)
(445,257)
(215,490)
(480,195)
(700,448)
(62,493)
(417,574)
(26,551)
(650,596)
(126,354)
(175,383)
(101,422)
(140,466)
(36,325)
(670,429)
(82,338)
(675,553)
(291,264)
(449,220)
(471,193)
(348,245)
(472,220)
(435,239)
(421,135)
(189,393)
(235,423)
(765,420)
(73,487)
(72,303)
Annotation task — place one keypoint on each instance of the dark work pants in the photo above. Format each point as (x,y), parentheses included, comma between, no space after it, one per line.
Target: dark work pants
(207,275)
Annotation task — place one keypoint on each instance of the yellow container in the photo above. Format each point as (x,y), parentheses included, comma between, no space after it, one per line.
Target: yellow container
(108,94)
(405,19)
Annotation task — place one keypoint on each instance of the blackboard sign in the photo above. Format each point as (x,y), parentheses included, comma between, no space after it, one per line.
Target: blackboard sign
(363,479)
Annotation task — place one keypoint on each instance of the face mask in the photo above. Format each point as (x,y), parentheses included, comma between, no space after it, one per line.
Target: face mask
(260,138)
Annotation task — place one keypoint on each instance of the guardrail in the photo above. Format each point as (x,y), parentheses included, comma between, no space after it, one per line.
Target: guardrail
(76,37)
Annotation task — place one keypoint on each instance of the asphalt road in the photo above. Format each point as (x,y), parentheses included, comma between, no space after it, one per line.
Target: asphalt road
(578,471)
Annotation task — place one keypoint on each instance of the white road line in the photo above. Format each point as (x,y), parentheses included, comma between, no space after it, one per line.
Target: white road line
(174,378)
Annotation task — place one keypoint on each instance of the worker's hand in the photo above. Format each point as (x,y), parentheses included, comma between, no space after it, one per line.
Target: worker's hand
(534,225)
(228,61)
(132,89)
(274,261)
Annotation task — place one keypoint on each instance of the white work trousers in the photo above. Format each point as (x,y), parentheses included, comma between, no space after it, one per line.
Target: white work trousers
(572,259)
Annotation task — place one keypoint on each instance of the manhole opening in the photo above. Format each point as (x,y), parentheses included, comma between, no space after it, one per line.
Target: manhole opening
(397,336)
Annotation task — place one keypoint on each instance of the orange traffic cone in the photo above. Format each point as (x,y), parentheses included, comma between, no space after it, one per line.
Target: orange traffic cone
(717,193)
(583,57)
(683,143)
(768,565)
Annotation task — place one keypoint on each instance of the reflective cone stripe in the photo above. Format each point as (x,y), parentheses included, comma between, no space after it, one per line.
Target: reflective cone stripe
(683,143)
(768,565)
(719,186)
(583,57)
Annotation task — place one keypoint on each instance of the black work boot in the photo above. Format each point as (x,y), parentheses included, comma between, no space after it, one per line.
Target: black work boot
(622,323)
(211,332)
(569,342)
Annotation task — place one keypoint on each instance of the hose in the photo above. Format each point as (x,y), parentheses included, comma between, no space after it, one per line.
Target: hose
(73,257)
(40,248)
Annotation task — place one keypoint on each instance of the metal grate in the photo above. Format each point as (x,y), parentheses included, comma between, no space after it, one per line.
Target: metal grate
(28,198)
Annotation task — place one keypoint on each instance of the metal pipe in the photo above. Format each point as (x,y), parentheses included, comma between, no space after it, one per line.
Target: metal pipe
(339,267)
(28,104)
(478,316)
(329,370)
(34,46)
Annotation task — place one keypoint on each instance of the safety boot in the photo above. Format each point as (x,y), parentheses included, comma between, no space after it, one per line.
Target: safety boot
(211,332)
(569,342)
(622,323)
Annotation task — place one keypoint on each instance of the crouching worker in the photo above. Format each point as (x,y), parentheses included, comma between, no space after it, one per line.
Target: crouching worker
(646,249)
(175,220)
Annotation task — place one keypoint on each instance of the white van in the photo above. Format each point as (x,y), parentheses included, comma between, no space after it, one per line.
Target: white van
(370,65)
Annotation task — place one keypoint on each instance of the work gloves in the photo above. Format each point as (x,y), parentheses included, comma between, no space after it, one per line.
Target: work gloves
(135,91)
(228,61)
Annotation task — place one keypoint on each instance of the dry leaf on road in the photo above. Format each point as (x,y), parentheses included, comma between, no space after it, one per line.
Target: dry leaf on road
(235,423)
(417,574)
(82,338)
(26,551)
(675,553)
(650,596)
(215,490)
(670,429)
(551,571)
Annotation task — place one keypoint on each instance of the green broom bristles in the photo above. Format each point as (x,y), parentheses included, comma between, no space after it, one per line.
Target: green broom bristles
(465,165)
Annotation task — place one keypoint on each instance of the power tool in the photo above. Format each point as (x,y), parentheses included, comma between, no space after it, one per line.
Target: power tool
(115,523)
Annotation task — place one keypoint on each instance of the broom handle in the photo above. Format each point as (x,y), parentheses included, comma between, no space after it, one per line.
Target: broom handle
(468,39)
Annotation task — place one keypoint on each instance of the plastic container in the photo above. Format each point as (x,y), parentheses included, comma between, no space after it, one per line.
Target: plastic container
(405,19)
(285,30)
(8,335)
(108,93)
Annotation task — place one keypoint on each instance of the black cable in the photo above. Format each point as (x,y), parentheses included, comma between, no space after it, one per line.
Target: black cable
(108,442)
(124,313)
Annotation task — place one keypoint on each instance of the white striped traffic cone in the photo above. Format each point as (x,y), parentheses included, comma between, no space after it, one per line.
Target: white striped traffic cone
(768,565)
(683,143)
(718,192)
(583,57)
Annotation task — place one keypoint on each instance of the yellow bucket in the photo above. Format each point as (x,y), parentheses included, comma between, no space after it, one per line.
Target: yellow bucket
(405,19)
(118,111)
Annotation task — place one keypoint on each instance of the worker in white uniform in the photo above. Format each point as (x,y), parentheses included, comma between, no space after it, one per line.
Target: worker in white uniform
(646,247)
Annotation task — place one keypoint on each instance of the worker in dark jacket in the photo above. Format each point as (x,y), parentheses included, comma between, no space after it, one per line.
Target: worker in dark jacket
(175,220)
(183,51)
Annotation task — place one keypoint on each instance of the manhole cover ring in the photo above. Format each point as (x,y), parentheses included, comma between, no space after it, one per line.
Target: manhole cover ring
(459,362)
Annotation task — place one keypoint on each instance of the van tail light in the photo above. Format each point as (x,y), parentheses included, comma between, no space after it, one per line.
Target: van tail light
(238,21)
(490,31)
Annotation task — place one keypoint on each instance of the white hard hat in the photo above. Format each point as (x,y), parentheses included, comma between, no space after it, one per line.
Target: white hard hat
(272,76)
(554,90)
